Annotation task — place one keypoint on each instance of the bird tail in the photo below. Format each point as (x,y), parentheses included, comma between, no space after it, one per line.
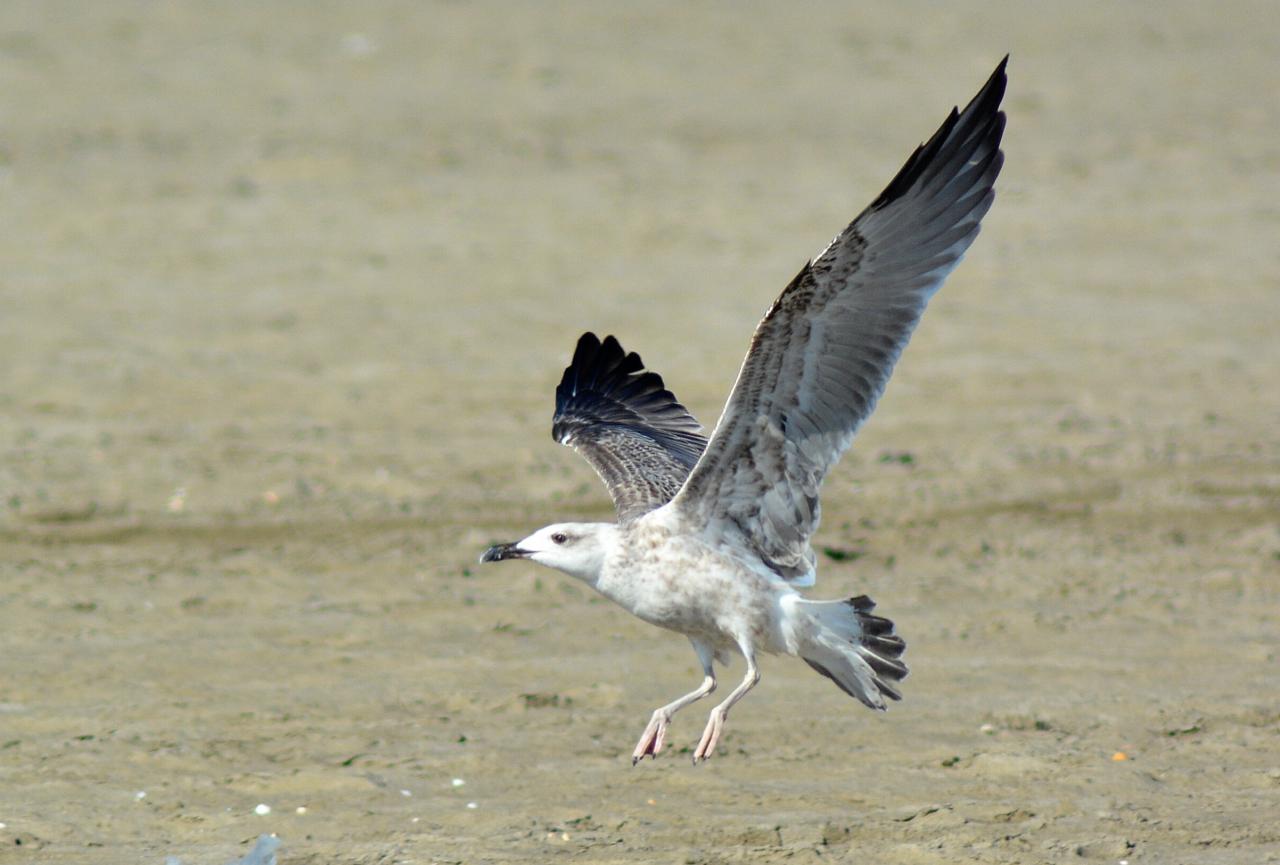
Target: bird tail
(852,647)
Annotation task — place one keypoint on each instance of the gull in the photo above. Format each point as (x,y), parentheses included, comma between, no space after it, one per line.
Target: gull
(712,538)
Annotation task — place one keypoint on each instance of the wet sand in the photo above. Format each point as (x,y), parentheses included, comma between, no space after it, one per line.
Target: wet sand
(288,289)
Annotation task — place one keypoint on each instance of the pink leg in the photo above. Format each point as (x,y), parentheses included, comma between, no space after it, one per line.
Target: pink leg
(655,734)
(715,724)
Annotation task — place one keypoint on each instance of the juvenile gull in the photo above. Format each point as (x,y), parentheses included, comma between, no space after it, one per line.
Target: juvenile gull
(712,537)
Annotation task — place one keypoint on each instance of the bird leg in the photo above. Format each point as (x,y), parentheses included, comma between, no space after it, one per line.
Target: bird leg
(655,734)
(715,724)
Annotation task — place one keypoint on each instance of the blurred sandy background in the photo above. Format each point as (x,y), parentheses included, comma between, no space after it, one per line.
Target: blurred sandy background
(286,291)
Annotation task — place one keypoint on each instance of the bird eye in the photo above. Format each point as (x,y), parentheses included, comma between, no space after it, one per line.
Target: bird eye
(559,538)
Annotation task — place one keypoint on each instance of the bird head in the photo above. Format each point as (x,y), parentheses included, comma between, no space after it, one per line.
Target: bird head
(577,549)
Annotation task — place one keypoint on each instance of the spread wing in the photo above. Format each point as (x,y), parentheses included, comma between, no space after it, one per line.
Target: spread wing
(821,356)
(637,437)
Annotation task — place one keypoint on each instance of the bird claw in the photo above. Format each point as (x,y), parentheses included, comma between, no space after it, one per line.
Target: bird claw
(652,739)
(710,738)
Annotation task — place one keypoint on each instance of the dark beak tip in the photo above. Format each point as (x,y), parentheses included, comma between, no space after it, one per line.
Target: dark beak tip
(500,552)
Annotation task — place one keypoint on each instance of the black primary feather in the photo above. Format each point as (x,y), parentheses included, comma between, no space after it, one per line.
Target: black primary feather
(984,104)
(624,421)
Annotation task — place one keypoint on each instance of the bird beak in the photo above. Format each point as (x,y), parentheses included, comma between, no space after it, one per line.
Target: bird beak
(500,552)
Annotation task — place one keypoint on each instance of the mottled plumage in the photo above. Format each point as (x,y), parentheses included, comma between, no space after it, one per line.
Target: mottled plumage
(713,537)
(623,421)
(821,356)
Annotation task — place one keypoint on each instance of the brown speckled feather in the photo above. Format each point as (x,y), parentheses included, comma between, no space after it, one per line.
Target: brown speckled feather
(624,421)
(821,356)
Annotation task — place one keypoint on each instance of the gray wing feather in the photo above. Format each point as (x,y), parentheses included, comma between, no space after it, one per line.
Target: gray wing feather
(623,421)
(822,355)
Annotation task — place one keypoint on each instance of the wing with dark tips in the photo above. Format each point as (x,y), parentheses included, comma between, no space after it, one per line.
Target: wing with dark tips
(624,421)
(821,356)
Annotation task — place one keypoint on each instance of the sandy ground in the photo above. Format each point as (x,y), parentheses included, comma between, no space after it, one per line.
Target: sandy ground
(286,290)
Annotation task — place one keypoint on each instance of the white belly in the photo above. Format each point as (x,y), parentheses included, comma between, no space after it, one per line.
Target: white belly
(675,582)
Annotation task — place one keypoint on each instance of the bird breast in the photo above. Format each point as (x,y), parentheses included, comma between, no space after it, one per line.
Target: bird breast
(671,579)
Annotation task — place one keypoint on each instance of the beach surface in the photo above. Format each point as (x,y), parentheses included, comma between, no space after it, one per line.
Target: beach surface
(287,288)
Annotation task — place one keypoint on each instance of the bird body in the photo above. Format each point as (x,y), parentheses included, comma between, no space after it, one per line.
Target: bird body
(664,572)
(713,535)
(732,599)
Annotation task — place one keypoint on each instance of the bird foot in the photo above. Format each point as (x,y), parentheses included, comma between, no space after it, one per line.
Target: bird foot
(651,740)
(710,737)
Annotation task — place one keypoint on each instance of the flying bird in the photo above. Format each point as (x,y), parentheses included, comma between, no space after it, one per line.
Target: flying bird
(712,538)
